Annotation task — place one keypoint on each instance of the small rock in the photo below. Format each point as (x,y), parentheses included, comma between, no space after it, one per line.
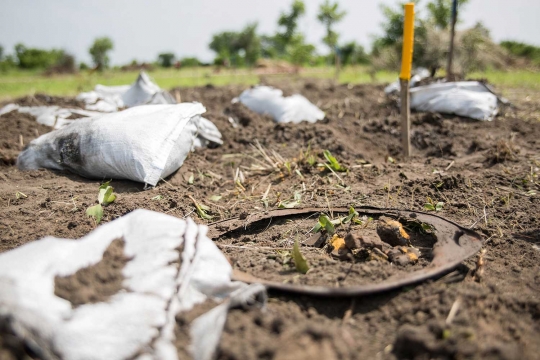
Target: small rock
(391,231)
(340,250)
(364,239)
(402,255)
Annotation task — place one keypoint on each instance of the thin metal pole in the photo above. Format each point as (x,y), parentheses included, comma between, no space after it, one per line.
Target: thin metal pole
(405,76)
(449,72)
(405,118)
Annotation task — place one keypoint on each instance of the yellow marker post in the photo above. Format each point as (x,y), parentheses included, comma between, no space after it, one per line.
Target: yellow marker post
(405,76)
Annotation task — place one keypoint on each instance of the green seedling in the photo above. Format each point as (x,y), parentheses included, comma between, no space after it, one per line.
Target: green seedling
(215,198)
(202,210)
(191,179)
(332,162)
(300,261)
(291,204)
(311,160)
(105,197)
(432,206)
(157,197)
(326,224)
(20,195)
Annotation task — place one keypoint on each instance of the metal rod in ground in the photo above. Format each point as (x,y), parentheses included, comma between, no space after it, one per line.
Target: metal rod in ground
(449,71)
(405,76)
(405,118)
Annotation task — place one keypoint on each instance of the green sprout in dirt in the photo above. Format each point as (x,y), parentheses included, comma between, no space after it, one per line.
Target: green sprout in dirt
(332,163)
(329,225)
(291,204)
(202,210)
(300,261)
(105,197)
(20,195)
(432,206)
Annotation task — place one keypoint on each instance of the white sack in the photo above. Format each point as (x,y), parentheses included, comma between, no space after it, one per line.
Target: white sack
(144,143)
(267,100)
(53,116)
(111,98)
(464,98)
(138,321)
(419,74)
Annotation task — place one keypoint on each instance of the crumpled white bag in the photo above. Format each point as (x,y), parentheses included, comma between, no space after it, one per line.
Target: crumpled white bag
(145,143)
(173,266)
(419,74)
(464,98)
(268,100)
(111,98)
(53,116)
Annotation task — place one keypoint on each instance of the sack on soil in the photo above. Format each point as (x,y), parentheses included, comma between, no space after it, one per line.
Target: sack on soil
(111,98)
(267,100)
(53,116)
(464,98)
(144,143)
(114,294)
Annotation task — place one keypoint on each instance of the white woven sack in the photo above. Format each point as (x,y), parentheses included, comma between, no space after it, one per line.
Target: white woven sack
(144,143)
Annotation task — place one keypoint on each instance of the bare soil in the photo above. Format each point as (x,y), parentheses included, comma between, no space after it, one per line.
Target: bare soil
(485,173)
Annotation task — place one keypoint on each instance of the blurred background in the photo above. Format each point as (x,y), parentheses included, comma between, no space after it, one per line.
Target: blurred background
(63,47)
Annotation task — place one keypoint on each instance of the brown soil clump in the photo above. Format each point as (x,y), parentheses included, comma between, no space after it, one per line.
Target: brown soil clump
(95,283)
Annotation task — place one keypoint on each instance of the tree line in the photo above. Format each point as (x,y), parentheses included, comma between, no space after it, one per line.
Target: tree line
(475,49)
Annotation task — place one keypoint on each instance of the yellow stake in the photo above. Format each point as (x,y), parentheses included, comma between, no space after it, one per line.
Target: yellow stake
(408,41)
(405,76)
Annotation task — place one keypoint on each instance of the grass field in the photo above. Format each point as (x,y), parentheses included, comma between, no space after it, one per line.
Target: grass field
(20,83)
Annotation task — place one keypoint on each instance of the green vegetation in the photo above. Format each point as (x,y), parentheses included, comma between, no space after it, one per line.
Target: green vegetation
(30,70)
(18,83)
(329,15)
(99,52)
(300,261)
(105,197)
(166,59)
(523,50)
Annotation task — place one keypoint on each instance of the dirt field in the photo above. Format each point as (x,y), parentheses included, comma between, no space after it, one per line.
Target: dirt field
(486,173)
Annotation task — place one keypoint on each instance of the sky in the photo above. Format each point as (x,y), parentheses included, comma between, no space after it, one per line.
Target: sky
(140,29)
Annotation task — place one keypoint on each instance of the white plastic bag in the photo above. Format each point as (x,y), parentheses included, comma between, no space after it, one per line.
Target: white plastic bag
(173,266)
(268,100)
(144,143)
(53,116)
(464,98)
(111,98)
(419,74)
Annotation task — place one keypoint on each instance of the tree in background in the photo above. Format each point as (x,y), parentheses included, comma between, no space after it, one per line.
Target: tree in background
(99,50)
(474,49)
(440,12)
(237,48)
(1,53)
(190,62)
(353,53)
(523,50)
(289,23)
(329,15)
(166,60)
(33,58)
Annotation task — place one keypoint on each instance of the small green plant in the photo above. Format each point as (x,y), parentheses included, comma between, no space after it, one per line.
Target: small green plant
(328,225)
(293,203)
(157,197)
(332,163)
(20,195)
(105,197)
(300,261)
(432,206)
(202,210)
